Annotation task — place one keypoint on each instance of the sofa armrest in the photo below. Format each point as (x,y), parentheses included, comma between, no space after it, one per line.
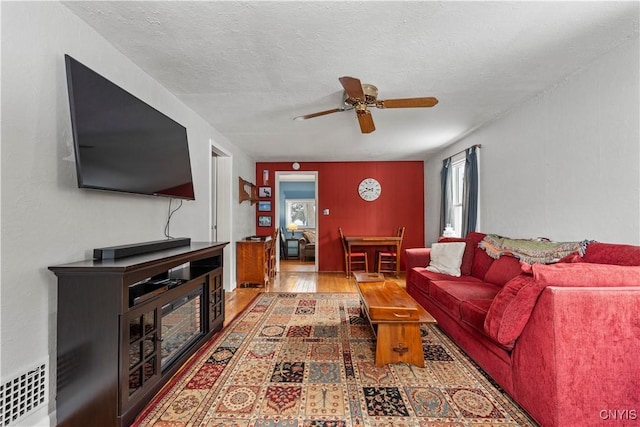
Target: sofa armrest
(307,249)
(578,355)
(417,257)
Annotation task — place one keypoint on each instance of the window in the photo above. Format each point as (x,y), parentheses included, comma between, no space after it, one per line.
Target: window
(457,187)
(460,184)
(301,212)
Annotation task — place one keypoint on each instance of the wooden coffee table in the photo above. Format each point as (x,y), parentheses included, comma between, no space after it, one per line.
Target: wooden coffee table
(362,277)
(395,318)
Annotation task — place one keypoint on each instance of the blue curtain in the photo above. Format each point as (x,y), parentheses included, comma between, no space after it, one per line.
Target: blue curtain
(446,194)
(470,192)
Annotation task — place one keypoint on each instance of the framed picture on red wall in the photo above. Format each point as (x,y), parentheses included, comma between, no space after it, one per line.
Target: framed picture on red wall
(264,206)
(264,192)
(264,221)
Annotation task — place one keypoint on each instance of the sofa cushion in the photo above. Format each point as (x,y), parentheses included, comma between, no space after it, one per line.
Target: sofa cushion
(450,293)
(481,263)
(611,253)
(502,270)
(587,274)
(446,258)
(418,283)
(425,276)
(474,311)
(476,237)
(419,280)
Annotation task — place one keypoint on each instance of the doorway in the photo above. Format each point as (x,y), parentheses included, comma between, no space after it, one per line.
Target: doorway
(296,201)
(221,214)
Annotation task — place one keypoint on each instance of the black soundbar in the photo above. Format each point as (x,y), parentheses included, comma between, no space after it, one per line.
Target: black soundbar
(115,252)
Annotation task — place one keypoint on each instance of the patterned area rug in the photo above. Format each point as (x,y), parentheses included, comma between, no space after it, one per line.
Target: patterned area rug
(303,360)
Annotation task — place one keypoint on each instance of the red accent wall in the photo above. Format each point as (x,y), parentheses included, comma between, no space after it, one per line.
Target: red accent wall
(401,203)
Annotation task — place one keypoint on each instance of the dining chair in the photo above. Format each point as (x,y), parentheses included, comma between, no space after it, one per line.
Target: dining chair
(387,260)
(353,259)
(271,260)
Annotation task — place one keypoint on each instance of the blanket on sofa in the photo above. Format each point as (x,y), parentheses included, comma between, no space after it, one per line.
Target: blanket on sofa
(530,251)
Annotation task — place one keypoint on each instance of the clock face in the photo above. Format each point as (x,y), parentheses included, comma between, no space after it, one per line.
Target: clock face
(369,189)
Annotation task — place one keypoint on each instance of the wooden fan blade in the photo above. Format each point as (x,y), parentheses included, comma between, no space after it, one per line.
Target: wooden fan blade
(320,113)
(366,121)
(352,86)
(407,103)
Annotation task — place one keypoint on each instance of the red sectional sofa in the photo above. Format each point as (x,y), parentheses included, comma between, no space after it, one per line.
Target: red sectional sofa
(562,339)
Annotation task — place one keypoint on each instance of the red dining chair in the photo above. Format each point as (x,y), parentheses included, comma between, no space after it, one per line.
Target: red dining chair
(387,260)
(353,259)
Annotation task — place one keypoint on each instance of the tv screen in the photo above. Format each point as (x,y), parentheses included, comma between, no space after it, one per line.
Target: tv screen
(123,144)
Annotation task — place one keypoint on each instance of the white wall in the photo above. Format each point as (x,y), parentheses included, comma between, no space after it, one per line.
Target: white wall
(46,219)
(565,165)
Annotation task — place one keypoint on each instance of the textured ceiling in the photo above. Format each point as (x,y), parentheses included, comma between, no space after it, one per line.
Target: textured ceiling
(249,68)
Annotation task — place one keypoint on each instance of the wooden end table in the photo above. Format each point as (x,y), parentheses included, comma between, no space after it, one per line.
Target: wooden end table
(294,244)
(395,318)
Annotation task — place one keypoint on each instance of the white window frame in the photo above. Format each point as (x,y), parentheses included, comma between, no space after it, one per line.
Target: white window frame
(457,186)
(310,212)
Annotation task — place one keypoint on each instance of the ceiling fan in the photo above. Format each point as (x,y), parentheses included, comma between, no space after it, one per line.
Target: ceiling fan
(360,97)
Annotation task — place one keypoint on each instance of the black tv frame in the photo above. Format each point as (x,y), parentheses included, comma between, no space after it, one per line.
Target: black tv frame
(120,172)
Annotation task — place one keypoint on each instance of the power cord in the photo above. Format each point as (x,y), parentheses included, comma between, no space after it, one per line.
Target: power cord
(169,215)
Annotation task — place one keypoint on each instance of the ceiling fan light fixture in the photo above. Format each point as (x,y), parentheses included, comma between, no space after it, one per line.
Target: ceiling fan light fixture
(359,96)
(370,93)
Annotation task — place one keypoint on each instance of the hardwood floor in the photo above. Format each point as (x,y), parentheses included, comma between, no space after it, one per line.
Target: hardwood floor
(294,276)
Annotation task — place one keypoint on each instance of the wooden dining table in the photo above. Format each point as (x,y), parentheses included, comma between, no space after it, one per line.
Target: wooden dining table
(380,241)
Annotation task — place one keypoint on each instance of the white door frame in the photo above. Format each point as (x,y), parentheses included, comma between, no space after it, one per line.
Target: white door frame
(276,212)
(221,192)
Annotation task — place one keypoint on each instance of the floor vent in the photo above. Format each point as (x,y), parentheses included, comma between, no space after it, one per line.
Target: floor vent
(22,395)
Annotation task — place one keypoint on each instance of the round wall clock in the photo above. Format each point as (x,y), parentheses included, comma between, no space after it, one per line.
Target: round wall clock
(369,189)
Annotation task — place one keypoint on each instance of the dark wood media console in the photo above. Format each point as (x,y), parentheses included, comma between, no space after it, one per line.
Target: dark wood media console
(126,325)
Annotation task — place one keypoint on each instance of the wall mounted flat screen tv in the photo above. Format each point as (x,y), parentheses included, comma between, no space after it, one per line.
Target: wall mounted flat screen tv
(123,144)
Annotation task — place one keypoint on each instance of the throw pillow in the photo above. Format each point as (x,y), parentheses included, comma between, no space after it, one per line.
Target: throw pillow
(610,253)
(310,236)
(511,308)
(467,257)
(446,258)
